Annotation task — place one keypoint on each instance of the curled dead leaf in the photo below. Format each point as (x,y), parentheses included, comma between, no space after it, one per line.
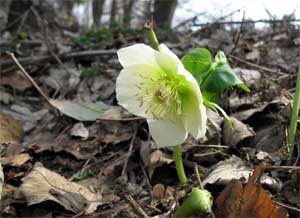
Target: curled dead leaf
(240,133)
(153,158)
(42,185)
(250,200)
(235,168)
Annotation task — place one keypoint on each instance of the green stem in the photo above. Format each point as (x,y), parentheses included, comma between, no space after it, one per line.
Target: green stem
(177,148)
(151,36)
(294,117)
(179,164)
(199,201)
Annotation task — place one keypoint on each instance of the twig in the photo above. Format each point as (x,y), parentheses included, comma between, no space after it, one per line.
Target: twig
(287,206)
(193,19)
(248,21)
(129,153)
(198,175)
(146,178)
(136,205)
(35,60)
(293,168)
(254,65)
(29,78)
(237,38)
(210,146)
(43,26)
(15,21)
(207,154)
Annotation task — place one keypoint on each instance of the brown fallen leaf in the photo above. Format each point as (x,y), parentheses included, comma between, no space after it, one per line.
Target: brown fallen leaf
(240,133)
(10,129)
(235,168)
(42,185)
(15,161)
(153,158)
(16,80)
(250,200)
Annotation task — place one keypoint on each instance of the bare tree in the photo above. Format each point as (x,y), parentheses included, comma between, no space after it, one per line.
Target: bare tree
(163,12)
(4,11)
(97,12)
(113,11)
(127,11)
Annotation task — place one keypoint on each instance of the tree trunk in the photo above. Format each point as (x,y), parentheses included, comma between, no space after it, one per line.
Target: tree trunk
(4,11)
(163,12)
(113,11)
(97,12)
(127,12)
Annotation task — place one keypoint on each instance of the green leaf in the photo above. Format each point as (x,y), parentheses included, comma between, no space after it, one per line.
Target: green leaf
(82,175)
(221,79)
(197,62)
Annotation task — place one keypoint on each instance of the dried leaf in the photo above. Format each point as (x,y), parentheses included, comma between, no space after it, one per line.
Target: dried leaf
(79,130)
(42,185)
(235,168)
(240,133)
(87,111)
(250,200)
(15,161)
(16,80)
(10,129)
(153,158)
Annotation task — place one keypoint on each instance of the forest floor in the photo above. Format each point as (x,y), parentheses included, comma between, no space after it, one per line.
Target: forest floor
(111,165)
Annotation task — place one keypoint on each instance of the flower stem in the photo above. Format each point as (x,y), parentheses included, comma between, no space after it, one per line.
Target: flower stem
(179,164)
(198,201)
(294,117)
(151,36)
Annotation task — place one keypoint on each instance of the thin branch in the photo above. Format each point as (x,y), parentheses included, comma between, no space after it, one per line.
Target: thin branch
(65,56)
(237,39)
(254,65)
(12,55)
(129,153)
(248,21)
(136,206)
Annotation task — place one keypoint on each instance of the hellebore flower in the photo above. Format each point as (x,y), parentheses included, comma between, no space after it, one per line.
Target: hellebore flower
(154,84)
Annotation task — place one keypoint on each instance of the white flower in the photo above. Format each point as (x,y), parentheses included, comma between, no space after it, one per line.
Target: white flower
(154,84)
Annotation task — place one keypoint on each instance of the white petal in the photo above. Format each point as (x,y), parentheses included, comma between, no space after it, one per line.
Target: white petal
(127,88)
(188,76)
(198,128)
(167,133)
(167,60)
(165,49)
(137,54)
(194,113)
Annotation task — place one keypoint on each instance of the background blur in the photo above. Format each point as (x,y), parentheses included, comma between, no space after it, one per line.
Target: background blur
(166,13)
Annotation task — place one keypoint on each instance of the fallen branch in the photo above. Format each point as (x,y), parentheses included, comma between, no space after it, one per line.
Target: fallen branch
(248,21)
(36,60)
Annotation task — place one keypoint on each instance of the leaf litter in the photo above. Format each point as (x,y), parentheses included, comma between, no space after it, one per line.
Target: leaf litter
(84,96)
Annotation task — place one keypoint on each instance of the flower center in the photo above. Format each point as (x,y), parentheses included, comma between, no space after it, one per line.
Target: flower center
(160,96)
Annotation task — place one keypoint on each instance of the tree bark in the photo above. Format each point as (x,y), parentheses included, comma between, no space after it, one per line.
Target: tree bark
(163,12)
(97,12)
(127,12)
(4,11)
(113,11)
